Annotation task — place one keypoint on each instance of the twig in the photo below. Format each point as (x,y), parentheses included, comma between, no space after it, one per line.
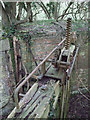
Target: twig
(26,75)
(33,57)
(83,94)
(84,85)
(66,10)
(19,82)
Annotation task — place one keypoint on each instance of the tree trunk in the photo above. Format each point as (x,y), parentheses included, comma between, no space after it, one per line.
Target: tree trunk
(19,11)
(10,8)
(29,12)
(55,12)
(5,18)
(89,24)
(8,17)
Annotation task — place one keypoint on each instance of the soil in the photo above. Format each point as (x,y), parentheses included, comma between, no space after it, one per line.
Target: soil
(79,103)
(79,106)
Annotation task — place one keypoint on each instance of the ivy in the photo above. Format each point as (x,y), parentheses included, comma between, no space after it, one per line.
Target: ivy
(10,31)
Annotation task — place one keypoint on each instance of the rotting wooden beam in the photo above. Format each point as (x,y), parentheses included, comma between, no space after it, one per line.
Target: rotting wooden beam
(76,53)
(17,58)
(29,47)
(48,67)
(15,54)
(46,112)
(21,103)
(57,91)
(52,77)
(63,96)
(41,59)
(43,68)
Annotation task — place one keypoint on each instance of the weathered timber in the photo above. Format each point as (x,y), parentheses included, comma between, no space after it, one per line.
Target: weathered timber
(43,68)
(57,92)
(54,73)
(62,96)
(36,96)
(29,47)
(76,53)
(21,103)
(17,54)
(30,109)
(40,108)
(41,59)
(45,113)
(36,102)
(67,98)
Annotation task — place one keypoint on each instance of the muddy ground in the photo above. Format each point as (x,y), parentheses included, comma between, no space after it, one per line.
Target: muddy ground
(79,103)
(79,106)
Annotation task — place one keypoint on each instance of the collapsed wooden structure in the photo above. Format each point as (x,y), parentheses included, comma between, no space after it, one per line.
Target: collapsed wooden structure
(52,84)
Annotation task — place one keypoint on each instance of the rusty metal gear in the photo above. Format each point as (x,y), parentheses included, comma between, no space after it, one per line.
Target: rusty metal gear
(67,42)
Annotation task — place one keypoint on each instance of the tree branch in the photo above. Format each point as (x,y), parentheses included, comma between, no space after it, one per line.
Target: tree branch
(5,12)
(65,10)
(65,14)
(41,4)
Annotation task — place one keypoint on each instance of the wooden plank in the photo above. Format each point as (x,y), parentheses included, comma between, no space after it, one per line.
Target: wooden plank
(52,77)
(21,103)
(62,104)
(15,54)
(34,101)
(30,108)
(30,92)
(41,108)
(41,59)
(34,105)
(55,74)
(57,88)
(38,93)
(57,92)
(46,112)
(43,68)
(67,98)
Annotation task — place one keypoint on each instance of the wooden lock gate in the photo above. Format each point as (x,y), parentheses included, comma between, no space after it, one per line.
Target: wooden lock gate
(53,86)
